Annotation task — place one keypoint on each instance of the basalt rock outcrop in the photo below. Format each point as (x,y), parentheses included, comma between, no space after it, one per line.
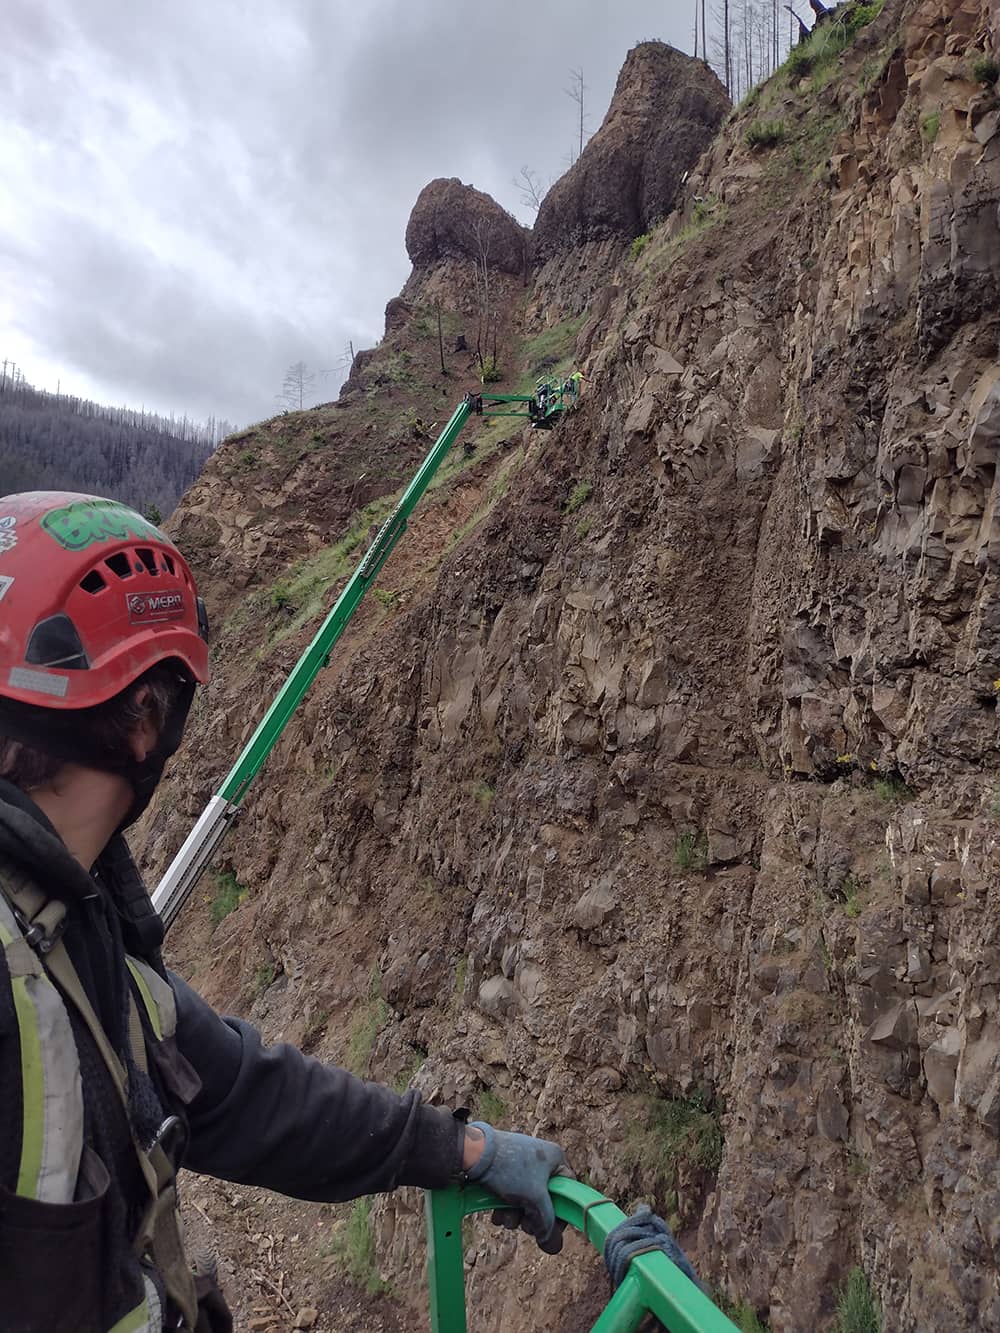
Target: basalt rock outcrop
(665,111)
(674,779)
(453,221)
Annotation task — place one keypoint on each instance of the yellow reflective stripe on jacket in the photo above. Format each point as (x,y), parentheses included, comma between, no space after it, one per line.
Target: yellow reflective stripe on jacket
(142,1319)
(52,1094)
(157,998)
(147,999)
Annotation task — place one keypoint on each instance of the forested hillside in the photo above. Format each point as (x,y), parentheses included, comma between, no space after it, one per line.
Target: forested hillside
(54,442)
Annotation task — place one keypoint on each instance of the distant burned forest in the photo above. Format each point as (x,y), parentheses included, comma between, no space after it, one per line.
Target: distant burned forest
(54,442)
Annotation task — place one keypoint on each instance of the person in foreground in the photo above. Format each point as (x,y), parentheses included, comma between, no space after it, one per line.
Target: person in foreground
(113,1072)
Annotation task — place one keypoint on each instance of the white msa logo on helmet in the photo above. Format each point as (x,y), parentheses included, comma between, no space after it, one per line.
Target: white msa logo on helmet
(5,581)
(148,608)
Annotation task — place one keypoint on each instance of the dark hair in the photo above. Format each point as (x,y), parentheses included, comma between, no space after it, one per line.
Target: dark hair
(102,731)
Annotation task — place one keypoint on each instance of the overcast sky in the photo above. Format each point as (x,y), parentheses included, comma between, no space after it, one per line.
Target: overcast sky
(194,195)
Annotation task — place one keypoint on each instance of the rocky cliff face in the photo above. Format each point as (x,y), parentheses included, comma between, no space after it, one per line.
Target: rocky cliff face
(664,114)
(663,804)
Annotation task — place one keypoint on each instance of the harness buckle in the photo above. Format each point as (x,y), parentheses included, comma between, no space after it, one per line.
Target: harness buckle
(43,940)
(172,1138)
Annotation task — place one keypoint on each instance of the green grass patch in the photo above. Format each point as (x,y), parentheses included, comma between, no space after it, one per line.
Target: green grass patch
(985,70)
(555,344)
(481,790)
(674,1130)
(491,1107)
(766,133)
(851,895)
(366,1024)
(744,1316)
(579,495)
(816,58)
(353,1248)
(263,978)
(663,251)
(304,592)
(892,789)
(691,850)
(930,126)
(639,244)
(405,1077)
(229,893)
(461,973)
(856,1308)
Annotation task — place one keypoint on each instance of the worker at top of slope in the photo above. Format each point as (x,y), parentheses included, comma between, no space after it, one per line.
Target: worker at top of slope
(113,1072)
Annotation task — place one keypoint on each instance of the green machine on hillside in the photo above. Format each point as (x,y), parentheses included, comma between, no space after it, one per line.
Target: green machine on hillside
(652,1284)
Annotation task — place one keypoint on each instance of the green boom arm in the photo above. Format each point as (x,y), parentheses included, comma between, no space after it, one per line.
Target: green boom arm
(214,821)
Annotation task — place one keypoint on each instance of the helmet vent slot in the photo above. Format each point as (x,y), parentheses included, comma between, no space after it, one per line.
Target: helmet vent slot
(148,559)
(168,561)
(120,564)
(93,582)
(56,643)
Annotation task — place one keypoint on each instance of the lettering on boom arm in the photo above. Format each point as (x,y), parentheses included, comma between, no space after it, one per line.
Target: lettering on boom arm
(386,537)
(85,522)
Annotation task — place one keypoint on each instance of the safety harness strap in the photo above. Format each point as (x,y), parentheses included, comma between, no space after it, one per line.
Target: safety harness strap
(159,1232)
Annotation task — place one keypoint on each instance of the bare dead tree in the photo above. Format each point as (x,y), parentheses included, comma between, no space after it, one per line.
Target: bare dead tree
(482,232)
(577,93)
(437,311)
(704,34)
(297,386)
(529,183)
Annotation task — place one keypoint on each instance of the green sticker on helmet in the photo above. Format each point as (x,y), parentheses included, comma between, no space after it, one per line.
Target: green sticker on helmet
(82,524)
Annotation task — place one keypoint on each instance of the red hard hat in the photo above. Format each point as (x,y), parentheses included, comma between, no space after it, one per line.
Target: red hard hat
(91,596)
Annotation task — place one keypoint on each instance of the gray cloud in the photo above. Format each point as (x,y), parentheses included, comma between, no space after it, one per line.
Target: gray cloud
(193,196)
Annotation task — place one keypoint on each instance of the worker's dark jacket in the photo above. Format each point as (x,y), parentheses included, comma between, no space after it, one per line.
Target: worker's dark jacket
(261,1116)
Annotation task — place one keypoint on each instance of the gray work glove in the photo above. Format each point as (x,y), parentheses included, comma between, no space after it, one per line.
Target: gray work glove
(639,1234)
(517,1168)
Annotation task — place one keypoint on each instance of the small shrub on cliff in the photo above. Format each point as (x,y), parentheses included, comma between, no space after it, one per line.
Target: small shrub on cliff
(579,495)
(263,978)
(765,133)
(691,850)
(856,1308)
(985,70)
(639,244)
(851,894)
(930,125)
(859,16)
(892,789)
